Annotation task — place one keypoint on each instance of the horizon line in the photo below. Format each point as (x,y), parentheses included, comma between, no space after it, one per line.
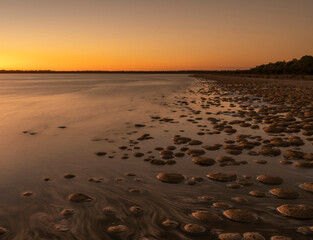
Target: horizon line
(118,71)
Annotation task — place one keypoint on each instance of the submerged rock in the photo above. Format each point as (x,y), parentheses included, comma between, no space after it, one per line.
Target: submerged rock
(293,154)
(195,142)
(257,193)
(67,212)
(3,231)
(109,210)
(240,215)
(305,230)
(136,210)
(268,151)
(79,197)
(117,229)
(194,228)
(195,152)
(100,154)
(222,205)
(170,177)
(206,216)
(27,194)
(68,175)
(270,180)
(138,125)
(138,154)
(253,236)
(212,147)
(280,238)
(157,162)
(304,164)
(170,223)
(260,161)
(204,161)
(284,193)
(244,182)
(296,211)
(222,177)
(307,186)
(229,236)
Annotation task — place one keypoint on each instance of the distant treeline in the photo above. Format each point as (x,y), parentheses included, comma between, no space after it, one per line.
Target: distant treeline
(303,66)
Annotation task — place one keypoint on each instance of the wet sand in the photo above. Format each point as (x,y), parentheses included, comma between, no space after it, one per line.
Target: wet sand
(103,156)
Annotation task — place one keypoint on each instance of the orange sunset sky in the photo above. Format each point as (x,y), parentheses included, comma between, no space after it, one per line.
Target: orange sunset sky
(152,34)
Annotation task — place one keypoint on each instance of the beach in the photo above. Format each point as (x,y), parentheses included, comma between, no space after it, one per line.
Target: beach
(155,156)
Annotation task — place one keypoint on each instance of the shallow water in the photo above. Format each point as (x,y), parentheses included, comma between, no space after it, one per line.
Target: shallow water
(100,112)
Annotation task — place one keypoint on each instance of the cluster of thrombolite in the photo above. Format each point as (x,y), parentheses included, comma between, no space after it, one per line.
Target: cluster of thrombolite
(242,215)
(288,121)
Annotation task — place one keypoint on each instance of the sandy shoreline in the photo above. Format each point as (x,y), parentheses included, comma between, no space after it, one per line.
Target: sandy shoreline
(239,152)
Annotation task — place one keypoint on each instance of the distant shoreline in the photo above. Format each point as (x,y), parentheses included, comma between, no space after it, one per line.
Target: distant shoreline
(226,73)
(114,72)
(193,73)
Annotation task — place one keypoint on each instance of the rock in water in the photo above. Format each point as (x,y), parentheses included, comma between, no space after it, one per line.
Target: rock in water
(222,177)
(229,236)
(240,215)
(307,186)
(27,194)
(3,231)
(296,211)
(194,228)
(257,193)
(284,193)
(280,238)
(170,177)
(270,180)
(67,212)
(170,223)
(204,161)
(69,175)
(206,216)
(79,197)
(253,236)
(117,229)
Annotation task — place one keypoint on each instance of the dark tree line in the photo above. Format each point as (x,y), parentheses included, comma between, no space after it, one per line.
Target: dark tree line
(303,66)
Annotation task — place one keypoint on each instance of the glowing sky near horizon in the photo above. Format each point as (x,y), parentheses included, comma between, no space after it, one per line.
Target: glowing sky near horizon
(152,34)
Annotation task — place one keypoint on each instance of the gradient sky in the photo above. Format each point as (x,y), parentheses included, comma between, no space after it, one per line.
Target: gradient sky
(152,34)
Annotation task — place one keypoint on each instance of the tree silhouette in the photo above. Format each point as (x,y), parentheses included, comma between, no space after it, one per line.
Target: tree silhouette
(303,66)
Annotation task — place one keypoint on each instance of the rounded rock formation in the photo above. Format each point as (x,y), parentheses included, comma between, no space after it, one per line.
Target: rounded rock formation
(296,211)
(204,161)
(229,236)
(117,229)
(307,186)
(79,197)
(270,180)
(206,216)
(170,177)
(253,236)
(284,193)
(194,228)
(240,215)
(170,223)
(222,177)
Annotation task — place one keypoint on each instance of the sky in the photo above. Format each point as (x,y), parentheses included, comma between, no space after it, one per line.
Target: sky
(152,34)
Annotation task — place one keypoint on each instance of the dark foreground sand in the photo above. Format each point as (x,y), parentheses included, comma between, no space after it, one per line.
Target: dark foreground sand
(205,157)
